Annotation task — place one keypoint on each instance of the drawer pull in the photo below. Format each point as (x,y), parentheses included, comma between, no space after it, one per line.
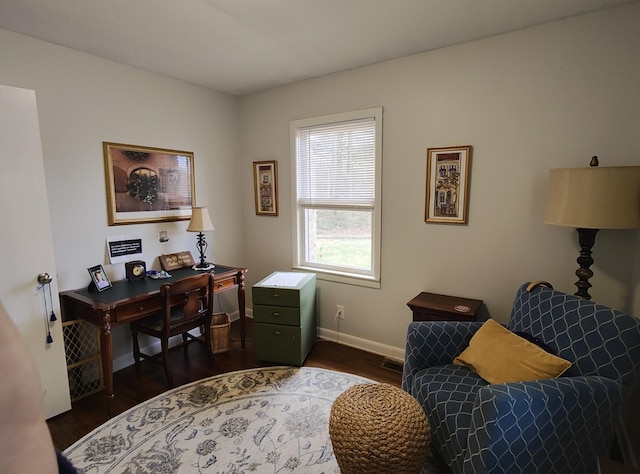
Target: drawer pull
(277,333)
(275,296)
(275,315)
(141,308)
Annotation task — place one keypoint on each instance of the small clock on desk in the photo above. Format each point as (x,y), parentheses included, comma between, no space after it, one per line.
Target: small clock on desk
(135,270)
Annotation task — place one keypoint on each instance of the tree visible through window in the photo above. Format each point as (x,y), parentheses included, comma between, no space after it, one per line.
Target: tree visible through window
(336,192)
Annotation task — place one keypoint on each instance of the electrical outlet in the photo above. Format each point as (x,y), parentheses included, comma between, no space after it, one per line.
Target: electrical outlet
(339,311)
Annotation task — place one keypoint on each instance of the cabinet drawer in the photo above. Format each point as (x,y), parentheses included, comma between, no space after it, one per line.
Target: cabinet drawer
(220,285)
(136,310)
(278,343)
(276,315)
(276,296)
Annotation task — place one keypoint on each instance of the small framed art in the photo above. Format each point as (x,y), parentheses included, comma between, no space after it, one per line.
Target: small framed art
(447,194)
(99,279)
(265,187)
(173,261)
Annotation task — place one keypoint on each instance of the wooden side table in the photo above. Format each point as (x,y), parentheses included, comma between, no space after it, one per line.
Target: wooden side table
(434,307)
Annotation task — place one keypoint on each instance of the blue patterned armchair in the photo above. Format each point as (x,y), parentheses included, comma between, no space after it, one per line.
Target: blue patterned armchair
(557,425)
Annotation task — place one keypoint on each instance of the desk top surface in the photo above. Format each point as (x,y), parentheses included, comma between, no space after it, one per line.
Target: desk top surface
(123,290)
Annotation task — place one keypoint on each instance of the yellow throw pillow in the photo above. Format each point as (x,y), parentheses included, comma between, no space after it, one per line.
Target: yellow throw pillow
(500,356)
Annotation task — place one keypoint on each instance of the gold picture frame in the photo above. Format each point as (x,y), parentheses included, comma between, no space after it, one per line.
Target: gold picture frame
(265,187)
(146,184)
(448,184)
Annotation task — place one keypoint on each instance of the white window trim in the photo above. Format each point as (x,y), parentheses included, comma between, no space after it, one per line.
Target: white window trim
(371,281)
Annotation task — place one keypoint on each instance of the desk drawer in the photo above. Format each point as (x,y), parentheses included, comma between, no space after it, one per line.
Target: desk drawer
(276,315)
(137,310)
(222,284)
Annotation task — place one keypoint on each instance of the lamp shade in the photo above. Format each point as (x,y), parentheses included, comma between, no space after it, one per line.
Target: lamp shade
(200,220)
(594,198)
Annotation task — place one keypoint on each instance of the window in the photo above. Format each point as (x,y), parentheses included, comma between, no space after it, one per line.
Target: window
(336,168)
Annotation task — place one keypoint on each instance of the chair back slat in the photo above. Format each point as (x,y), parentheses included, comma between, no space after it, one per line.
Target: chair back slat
(189,298)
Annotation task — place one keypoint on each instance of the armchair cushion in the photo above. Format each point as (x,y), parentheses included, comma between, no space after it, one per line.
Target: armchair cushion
(500,356)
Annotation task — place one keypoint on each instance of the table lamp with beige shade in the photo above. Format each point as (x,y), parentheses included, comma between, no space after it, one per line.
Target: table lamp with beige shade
(201,222)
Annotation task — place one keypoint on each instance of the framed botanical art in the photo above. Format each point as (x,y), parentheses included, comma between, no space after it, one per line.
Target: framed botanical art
(148,184)
(448,181)
(265,187)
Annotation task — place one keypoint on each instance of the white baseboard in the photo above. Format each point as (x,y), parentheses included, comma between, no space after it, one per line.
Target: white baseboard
(394,353)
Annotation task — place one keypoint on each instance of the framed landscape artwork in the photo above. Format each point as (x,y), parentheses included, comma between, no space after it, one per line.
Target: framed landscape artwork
(447,194)
(148,184)
(265,183)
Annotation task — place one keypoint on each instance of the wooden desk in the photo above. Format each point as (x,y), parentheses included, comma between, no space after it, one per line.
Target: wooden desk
(130,300)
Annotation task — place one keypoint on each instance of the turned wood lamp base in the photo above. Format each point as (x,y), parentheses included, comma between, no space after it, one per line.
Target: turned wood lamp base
(586,240)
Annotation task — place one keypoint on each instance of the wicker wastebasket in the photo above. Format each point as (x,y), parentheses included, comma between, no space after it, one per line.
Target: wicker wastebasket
(379,428)
(220,326)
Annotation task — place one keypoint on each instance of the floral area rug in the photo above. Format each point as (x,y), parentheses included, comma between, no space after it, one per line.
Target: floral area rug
(268,420)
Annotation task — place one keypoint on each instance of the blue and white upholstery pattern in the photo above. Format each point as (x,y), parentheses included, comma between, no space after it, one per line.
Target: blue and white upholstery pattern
(553,426)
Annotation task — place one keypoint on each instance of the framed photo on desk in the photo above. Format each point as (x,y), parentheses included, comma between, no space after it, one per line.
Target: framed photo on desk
(99,278)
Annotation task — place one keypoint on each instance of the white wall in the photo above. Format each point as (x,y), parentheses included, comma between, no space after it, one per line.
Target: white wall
(545,97)
(83,101)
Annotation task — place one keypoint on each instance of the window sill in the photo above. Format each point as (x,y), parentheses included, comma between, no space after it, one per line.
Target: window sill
(344,278)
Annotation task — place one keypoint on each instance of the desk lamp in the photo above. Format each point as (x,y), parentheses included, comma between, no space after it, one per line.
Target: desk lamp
(201,222)
(590,199)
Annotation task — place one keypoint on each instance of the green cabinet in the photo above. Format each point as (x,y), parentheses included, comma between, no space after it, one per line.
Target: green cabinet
(284,317)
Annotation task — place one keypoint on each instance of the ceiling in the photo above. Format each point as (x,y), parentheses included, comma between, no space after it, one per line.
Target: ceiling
(244,46)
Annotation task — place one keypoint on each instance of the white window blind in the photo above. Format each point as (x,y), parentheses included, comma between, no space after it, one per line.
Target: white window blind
(336,164)
(336,192)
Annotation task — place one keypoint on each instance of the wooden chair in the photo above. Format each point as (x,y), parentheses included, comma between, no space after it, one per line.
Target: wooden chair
(186,304)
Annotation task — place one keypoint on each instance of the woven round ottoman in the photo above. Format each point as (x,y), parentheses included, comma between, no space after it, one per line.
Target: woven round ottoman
(376,427)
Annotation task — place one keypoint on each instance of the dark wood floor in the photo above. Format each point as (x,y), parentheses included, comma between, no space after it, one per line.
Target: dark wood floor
(132,388)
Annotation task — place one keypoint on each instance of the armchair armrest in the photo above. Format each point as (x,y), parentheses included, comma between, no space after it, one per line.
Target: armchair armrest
(557,425)
(433,343)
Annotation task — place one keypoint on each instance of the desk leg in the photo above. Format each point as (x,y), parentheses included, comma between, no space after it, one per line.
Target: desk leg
(241,308)
(106,349)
